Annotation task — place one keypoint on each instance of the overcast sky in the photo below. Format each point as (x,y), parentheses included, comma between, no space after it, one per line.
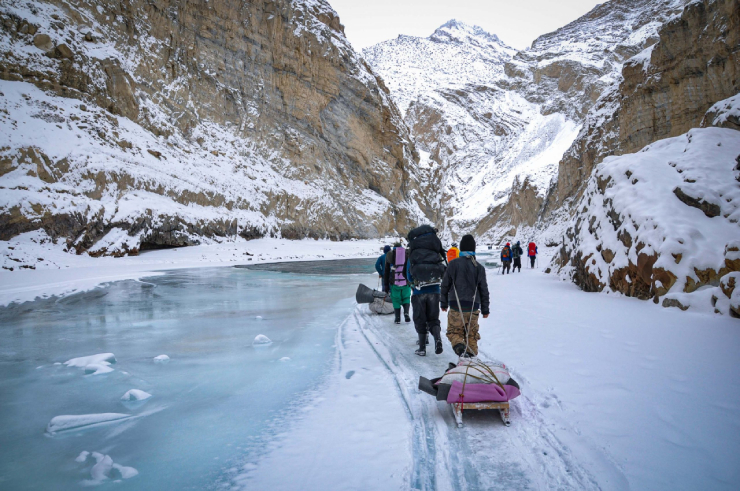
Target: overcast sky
(515,22)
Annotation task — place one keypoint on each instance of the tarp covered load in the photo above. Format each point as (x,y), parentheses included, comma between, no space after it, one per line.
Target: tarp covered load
(472,380)
(380,302)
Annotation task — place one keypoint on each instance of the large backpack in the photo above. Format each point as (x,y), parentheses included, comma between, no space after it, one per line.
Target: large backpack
(516,251)
(506,254)
(532,249)
(426,257)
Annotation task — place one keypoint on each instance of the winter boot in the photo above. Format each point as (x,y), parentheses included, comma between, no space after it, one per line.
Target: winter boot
(398,315)
(421,351)
(459,349)
(438,346)
(426,339)
(406,313)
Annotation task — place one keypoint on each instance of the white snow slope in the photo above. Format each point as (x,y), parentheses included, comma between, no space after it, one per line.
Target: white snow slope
(631,210)
(488,115)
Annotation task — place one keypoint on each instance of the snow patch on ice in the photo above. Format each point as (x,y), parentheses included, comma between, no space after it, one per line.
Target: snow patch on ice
(77,421)
(135,395)
(93,364)
(104,468)
(161,359)
(261,340)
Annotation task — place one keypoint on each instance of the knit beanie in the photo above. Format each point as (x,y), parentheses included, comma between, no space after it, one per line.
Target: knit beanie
(386,249)
(467,244)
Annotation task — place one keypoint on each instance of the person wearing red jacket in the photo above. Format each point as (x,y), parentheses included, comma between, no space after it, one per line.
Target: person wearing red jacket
(532,253)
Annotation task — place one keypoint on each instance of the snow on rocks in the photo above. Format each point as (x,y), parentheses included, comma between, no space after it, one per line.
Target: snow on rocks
(261,340)
(662,223)
(93,364)
(104,468)
(725,113)
(135,395)
(162,359)
(77,421)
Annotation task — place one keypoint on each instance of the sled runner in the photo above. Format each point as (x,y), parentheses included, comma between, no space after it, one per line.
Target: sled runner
(473,384)
(503,408)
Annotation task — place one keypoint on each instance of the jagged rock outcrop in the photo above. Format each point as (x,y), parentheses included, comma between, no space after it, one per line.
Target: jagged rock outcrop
(199,119)
(663,223)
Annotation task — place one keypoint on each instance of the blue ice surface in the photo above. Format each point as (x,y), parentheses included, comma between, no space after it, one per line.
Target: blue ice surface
(214,402)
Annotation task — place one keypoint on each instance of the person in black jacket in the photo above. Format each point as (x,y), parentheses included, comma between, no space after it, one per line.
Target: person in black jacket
(465,293)
(516,253)
(425,272)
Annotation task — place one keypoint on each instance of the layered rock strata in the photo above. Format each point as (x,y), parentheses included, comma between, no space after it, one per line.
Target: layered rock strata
(198,120)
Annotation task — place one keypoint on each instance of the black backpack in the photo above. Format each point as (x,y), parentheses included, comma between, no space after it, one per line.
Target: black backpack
(426,257)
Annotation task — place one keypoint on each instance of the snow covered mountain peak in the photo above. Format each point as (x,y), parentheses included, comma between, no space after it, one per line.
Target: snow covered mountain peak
(455,55)
(455,31)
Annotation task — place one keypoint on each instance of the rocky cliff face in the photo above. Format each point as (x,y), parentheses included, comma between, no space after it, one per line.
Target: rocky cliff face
(669,87)
(167,122)
(663,91)
(622,238)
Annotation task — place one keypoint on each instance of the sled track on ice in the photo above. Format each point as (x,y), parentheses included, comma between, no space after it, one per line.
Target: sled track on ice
(484,454)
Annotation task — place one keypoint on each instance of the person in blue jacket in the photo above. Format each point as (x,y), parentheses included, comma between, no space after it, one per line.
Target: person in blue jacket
(380,263)
(506,258)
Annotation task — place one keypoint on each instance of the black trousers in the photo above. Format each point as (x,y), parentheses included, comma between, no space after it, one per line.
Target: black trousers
(506,266)
(517,264)
(426,315)
(532,258)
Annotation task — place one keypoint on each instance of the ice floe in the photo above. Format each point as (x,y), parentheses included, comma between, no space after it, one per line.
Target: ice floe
(104,468)
(93,364)
(161,359)
(261,340)
(135,395)
(76,421)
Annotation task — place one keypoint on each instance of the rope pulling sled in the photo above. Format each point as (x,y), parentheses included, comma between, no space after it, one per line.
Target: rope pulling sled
(489,383)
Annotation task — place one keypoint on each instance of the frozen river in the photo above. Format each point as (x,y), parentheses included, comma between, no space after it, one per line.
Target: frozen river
(218,400)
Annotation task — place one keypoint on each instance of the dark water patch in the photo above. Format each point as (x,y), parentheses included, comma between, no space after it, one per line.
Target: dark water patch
(330,267)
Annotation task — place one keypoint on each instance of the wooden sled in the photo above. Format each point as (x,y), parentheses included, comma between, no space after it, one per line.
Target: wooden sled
(503,409)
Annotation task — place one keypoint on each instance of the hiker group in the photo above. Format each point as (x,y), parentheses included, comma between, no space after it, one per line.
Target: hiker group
(429,278)
(514,255)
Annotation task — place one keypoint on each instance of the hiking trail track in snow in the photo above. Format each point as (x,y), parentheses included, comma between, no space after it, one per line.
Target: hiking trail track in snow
(484,454)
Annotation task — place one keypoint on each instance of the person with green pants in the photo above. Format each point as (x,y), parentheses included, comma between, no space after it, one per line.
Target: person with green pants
(394,280)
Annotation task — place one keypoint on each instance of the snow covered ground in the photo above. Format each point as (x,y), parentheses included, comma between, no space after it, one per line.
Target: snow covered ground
(617,394)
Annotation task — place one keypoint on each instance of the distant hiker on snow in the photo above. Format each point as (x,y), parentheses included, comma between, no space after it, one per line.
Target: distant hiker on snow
(532,253)
(425,271)
(516,253)
(506,258)
(380,264)
(465,291)
(453,252)
(394,281)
